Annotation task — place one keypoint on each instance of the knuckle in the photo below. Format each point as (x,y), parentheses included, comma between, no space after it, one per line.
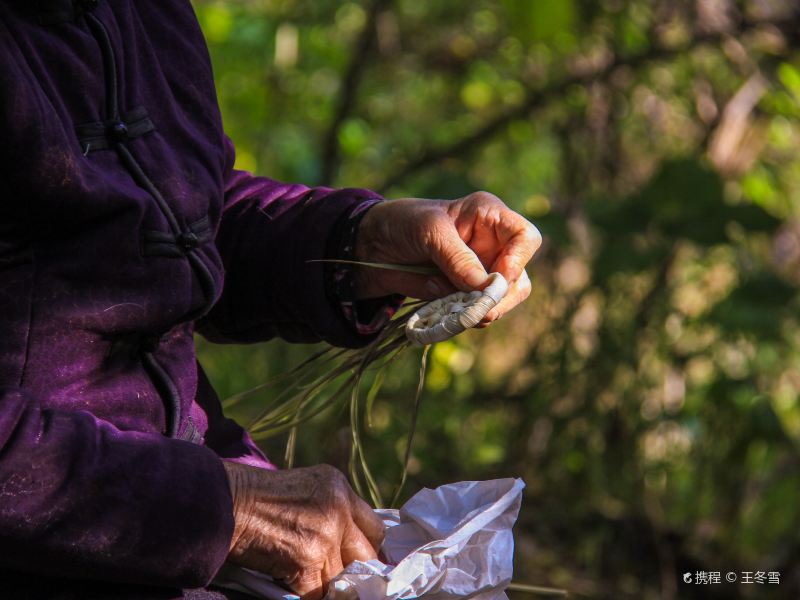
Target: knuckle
(316,549)
(339,486)
(327,471)
(333,487)
(327,541)
(331,477)
(488,215)
(483,197)
(329,545)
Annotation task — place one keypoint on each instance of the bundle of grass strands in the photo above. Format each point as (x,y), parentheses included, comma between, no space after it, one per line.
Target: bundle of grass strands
(333,377)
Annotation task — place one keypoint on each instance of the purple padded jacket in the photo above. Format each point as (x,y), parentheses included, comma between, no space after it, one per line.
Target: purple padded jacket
(121,215)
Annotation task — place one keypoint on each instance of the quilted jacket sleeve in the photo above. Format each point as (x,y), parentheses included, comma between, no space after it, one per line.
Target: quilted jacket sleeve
(80,497)
(269,236)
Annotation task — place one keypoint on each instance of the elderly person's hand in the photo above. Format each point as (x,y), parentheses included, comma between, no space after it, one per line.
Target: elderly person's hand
(463,238)
(302,526)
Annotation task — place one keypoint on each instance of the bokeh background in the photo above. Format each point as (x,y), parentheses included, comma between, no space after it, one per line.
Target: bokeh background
(647,392)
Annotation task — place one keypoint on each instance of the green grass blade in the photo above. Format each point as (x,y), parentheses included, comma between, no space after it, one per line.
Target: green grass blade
(536,589)
(417,399)
(373,393)
(358,459)
(291,445)
(418,269)
(303,366)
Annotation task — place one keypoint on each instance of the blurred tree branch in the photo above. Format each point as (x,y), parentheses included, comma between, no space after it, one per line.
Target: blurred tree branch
(537,98)
(348,91)
(736,142)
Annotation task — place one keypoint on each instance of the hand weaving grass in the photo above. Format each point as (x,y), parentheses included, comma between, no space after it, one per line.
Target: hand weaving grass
(334,376)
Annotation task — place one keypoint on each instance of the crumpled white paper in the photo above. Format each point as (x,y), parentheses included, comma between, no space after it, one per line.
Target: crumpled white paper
(451,542)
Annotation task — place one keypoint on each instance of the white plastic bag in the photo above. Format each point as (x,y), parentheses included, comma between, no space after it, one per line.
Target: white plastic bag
(451,542)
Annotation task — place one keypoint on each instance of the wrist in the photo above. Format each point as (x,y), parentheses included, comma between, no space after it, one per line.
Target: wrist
(239,483)
(366,250)
(366,235)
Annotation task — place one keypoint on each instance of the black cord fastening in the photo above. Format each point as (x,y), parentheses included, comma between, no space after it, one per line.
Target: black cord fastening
(109,64)
(168,391)
(104,135)
(188,241)
(118,130)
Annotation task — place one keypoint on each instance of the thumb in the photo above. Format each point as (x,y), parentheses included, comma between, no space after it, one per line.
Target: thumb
(457,260)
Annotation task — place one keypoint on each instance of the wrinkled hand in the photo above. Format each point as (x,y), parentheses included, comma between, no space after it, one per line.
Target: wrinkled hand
(302,526)
(463,238)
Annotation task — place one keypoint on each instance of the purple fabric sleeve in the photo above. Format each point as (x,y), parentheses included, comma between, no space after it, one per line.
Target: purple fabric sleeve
(79,497)
(269,236)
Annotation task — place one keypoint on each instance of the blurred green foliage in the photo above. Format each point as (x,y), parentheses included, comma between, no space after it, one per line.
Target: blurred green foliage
(647,392)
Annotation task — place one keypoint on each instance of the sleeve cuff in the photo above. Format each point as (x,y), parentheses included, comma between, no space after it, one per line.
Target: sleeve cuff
(365,316)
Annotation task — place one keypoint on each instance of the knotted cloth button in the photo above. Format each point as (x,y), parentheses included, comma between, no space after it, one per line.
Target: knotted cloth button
(118,131)
(188,241)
